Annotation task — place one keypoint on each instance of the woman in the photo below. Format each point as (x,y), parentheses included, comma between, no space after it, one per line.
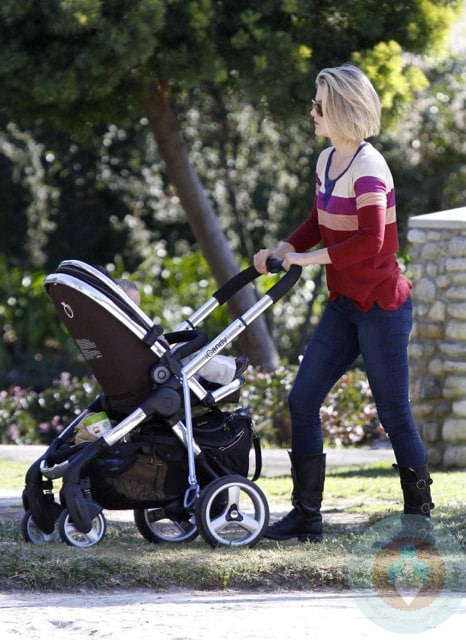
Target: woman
(369,310)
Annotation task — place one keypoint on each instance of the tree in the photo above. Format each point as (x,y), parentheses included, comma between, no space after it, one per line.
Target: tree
(72,62)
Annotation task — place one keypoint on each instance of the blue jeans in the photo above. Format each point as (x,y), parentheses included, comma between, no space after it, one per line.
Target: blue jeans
(342,334)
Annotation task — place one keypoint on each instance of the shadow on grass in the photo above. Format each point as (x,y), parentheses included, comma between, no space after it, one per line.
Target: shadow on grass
(375,471)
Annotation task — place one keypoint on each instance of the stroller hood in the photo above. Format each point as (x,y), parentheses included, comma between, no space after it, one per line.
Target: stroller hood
(116,339)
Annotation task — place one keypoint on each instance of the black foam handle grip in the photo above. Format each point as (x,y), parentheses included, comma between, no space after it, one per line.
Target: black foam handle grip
(235,284)
(240,280)
(286,283)
(274,265)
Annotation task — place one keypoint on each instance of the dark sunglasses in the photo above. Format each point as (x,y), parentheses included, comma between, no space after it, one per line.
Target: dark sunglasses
(317,105)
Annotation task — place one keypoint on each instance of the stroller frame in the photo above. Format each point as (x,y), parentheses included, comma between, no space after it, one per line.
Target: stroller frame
(74,282)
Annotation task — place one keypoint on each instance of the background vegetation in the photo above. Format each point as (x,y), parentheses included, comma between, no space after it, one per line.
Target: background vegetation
(174,162)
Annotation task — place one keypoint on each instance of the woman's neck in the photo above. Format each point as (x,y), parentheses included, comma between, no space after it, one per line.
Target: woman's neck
(342,157)
(345,149)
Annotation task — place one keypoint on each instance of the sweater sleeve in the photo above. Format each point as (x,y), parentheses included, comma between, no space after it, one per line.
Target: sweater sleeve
(368,240)
(307,235)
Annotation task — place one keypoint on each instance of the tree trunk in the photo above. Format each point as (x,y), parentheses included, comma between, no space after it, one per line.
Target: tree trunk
(256,341)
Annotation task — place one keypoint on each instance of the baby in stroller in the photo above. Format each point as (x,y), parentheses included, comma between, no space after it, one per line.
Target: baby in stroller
(182,474)
(220,370)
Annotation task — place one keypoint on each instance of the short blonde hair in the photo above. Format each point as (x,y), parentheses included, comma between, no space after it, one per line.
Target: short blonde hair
(350,103)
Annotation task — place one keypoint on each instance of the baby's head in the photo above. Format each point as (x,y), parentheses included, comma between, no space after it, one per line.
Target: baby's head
(130,288)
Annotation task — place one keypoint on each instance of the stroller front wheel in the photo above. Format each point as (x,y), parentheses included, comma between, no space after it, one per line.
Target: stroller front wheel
(232,511)
(156,526)
(75,538)
(32,533)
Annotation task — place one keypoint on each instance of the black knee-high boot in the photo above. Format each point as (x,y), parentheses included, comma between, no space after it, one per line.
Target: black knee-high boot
(415,485)
(304,521)
(415,519)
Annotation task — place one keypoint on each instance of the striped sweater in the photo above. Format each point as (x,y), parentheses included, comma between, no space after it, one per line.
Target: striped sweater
(354,217)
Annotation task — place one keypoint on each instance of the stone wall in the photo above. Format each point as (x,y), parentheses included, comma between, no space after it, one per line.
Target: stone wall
(438,342)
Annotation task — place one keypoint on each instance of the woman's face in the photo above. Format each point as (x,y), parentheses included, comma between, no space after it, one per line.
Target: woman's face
(318,115)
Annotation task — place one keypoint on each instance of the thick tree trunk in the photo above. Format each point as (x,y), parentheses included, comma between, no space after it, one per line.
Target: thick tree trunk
(256,341)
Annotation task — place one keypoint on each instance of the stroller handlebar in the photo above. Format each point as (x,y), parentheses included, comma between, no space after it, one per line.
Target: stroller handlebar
(274,265)
(286,283)
(249,274)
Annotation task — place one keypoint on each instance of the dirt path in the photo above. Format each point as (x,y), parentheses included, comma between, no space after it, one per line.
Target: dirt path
(193,615)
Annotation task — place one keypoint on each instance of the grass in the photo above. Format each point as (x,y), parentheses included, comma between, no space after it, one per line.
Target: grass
(355,499)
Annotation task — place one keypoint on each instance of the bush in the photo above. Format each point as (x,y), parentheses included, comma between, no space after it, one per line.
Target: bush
(31,417)
(34,346)
(348,416)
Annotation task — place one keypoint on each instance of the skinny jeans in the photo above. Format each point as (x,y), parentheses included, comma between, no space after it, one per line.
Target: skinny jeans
(381,338)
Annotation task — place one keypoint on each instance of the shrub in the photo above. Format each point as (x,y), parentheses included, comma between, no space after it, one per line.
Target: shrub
(31,417)
(348,415)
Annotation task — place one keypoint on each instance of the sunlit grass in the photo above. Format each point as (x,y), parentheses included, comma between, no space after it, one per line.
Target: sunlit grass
(358,495)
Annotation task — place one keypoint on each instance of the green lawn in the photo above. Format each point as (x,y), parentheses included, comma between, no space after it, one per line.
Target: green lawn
(355,499)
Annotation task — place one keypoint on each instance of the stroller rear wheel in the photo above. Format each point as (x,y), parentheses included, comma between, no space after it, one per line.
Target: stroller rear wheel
(75,538)
(31,532)
(156,526)
(232,511)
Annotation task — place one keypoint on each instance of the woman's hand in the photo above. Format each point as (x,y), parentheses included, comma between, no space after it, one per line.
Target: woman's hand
(320,256)
(260,260)
(261,257)
(291,258)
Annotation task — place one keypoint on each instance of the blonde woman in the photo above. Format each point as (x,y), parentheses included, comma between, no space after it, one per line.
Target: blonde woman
(369,312)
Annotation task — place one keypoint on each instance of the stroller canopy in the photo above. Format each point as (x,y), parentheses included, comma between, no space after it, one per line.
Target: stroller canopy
(115,337)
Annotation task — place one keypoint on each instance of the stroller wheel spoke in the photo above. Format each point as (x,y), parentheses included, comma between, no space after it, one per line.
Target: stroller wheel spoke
(32,533)
(249,523)
(219,524)
(232,511)
(233,496)
(155,526)
(92,537)
(72,536)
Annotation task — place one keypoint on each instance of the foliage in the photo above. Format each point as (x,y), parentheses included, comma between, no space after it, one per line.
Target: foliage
(348,415)
(431,174)
(60,206)
(172,287)
(35,346)
(25,153)
(241,84)
(32,417)
(54,62)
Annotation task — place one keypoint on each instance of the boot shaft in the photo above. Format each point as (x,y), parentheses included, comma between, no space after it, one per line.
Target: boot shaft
(415,484)
(308,474)
(305,520)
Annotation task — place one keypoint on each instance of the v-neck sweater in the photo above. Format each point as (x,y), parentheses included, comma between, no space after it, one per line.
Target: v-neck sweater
(354,217)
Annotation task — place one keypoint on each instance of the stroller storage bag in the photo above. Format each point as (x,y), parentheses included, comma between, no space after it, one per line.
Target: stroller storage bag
(153,467)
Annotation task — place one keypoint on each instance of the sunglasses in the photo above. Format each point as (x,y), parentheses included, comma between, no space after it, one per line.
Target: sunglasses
(317,105)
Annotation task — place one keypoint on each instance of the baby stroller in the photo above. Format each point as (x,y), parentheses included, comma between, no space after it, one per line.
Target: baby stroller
(170,453)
